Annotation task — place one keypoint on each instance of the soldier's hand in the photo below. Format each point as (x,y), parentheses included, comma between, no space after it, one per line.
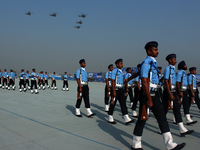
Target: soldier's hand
(114,94)
(80,90)
(171,97)
(149,102)
(125,80)
(181,94)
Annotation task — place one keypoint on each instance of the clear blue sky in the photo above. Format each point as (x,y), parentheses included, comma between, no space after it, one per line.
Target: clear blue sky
(112,29)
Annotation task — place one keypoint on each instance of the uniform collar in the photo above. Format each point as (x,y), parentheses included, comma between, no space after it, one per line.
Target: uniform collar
(83,68)
(119,69)
(172,66)
(152,58)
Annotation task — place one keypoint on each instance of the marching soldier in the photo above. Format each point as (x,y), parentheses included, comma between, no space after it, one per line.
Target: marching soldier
(65,82)
(4,78)
(41,80)
(22,81)
(53,81)
(170,97)
(46,80)
(150,97)
(0,78)
(182,85)
(118,93)
(193,90)
(33,81)
(137,90)
(83,89)
(108,89)
(11,79)
(27,79)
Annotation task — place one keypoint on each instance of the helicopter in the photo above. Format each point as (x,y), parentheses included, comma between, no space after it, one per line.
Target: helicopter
(28,13)
(82,15)
(53,14)
(78,27)
(79,22)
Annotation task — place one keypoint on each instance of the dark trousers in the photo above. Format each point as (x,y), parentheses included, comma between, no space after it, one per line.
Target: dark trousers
(0,80)
(53,82)
(130,93)
(33,83)
(106,97)
(85,96)
(46,82)
(136,98)
(158,112)
(27,81)
(122,101)
(11,82)
(176,106)
(5,81)
(65,83)
(21,82)
(196,98)
(41,82)
(186,102)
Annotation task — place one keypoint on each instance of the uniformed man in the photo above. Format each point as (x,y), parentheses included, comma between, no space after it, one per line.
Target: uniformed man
(46,80)
(4,77)
(118,94)
(33,81)
(11,79)
(170,97)
(150,97)
(41,80)
(108,89)
(65,82)
(182,85)
(53,81)
(0,78)
(22,83)
(193,90)
(137,90)
(83,89)
(27,76)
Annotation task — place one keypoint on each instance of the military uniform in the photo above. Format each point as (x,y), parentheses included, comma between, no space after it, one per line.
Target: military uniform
(33,81)
(46,79)
(11,78)
(53,81)
(5,76)
(65,82)
(22,81)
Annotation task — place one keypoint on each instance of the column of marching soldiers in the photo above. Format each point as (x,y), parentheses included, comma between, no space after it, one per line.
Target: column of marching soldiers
(153,91)
(38,81)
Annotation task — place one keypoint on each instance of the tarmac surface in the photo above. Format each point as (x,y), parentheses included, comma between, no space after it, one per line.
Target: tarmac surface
(47,121)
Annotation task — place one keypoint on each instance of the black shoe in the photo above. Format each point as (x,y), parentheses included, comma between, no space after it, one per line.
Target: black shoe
(79,115)
(188,132)
(174,123)
(193,122)
(179,146)
(91,115)
(135,116)
(113,122)
(136,148)
(129,121)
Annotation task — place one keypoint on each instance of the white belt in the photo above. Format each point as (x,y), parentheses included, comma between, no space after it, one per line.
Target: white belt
(83,83)
(65,79)
(194,88)
(183,88)
(119,85)
(153,85)
(32,78)
(21,78)
(129,85)
(173,87)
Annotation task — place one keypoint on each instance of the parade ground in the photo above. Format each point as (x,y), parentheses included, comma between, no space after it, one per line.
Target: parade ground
(47,121)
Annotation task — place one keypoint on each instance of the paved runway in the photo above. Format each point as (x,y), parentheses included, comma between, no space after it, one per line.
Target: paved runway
(46,121)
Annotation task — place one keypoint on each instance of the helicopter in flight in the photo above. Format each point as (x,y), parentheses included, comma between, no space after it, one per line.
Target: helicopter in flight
(78,27)
(82,15)
(28,13)
(53,14)
(79,22)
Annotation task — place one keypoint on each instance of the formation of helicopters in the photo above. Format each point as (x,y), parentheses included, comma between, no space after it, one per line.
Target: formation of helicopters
(55,14)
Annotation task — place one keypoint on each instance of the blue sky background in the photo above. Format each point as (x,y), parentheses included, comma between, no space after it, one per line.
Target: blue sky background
(112,29)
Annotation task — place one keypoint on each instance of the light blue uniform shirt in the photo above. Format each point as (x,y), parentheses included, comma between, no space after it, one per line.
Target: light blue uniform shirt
(192,80)
(41,76)
(182,76)
(65,77)
(81,74)
(21,75)
(127,75)
(45,76)
(5,74)
(118,76)
(11,75)
(149,65)
(33,74)
(108,76)
(27,75)
(53,77)
(0,74)
(170,74)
